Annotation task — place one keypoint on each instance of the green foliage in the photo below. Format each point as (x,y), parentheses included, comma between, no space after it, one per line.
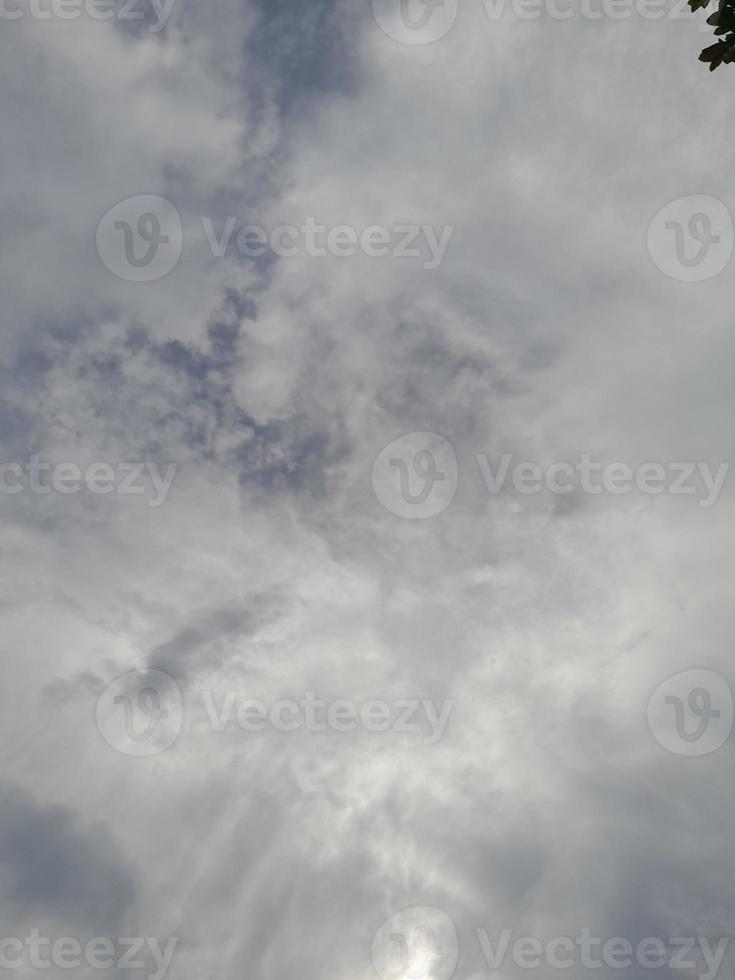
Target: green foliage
(723,21)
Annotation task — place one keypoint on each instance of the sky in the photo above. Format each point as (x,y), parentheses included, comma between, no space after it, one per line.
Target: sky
(365,487)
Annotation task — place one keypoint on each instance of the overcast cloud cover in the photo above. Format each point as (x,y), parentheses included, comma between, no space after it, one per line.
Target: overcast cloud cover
(274,563)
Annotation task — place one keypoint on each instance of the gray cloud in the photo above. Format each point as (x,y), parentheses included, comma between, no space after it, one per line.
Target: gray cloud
(54,865)
(273,569)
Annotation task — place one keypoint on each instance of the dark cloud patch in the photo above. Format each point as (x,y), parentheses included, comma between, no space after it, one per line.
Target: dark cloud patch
(288,456)
(54,864)
(305,49)
(138,18)
(239,305)
(156,394)
(153,396)
(15,429)
(223,337)
(444,384)
(199,645)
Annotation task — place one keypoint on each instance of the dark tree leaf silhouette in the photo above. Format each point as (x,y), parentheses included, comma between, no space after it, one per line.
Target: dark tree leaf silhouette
(723,21)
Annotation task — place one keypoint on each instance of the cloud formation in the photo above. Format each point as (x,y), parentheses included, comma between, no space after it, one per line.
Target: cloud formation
(274,568)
